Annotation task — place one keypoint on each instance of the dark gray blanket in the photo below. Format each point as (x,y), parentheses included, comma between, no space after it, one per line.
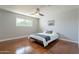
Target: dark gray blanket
(47,38)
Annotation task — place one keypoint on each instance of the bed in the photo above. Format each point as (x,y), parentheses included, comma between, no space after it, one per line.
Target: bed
(46,38)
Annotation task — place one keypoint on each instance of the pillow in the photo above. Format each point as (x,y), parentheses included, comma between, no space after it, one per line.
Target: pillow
(49,32)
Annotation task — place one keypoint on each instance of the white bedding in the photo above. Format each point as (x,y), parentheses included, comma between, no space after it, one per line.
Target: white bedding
(53,37)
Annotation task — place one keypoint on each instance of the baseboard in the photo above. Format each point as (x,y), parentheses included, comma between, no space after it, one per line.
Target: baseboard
(13,38)
(70,41)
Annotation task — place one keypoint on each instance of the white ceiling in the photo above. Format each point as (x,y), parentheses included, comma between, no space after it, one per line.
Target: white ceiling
(28,9)
(22,9)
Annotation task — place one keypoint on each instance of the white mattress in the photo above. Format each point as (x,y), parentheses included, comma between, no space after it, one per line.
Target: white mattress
(53,37)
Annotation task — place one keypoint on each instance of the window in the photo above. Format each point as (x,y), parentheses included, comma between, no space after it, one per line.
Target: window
(23,22)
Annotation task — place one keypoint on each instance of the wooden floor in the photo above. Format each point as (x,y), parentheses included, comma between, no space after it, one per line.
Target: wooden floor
(30,47)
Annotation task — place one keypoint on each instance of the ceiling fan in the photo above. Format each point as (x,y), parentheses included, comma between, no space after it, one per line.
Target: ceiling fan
(37,12)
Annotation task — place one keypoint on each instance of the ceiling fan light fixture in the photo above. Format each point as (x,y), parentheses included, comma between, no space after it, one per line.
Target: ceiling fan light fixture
(37,12)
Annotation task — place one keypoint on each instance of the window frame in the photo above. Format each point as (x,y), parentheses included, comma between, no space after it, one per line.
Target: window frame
(18,24)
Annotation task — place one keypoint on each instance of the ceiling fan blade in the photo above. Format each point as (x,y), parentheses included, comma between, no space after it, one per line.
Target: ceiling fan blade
(41,14)
(37,11)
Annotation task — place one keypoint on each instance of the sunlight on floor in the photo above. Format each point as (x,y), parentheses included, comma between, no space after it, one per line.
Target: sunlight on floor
(24,50)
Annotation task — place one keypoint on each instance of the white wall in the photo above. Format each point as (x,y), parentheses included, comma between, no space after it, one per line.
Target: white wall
(0,25)
(78,25)
(78,29)
(65,22)
(8,27)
